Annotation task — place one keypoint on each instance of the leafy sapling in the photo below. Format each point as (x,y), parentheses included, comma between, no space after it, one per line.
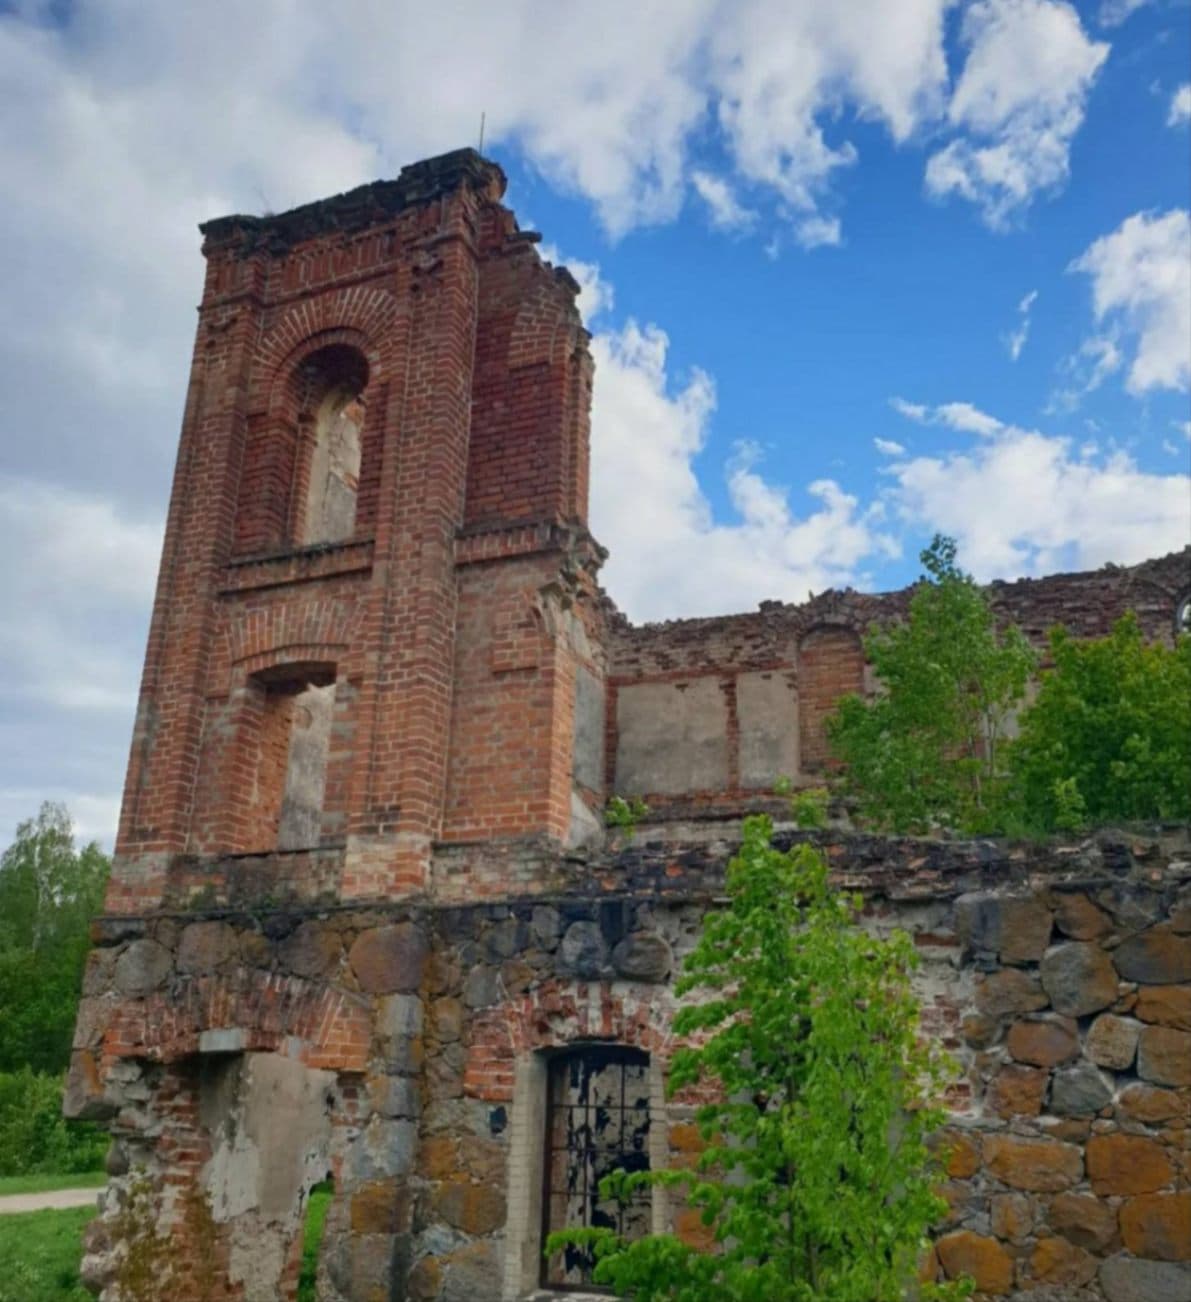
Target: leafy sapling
(930,749)
(624,815)
(816,1181)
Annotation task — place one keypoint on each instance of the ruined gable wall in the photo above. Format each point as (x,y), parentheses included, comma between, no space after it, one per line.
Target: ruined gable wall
(707,713)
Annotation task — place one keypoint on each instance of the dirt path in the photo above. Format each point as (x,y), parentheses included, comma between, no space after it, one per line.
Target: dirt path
(44,1202)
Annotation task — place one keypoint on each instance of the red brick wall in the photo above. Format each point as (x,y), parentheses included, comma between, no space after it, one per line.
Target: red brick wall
(530,396)
(830,665)
(475,380)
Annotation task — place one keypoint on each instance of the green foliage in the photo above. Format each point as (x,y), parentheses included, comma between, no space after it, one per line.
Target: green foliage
(809,808)
(49,892)
(816,1179)
(1108,737)
(929,750)
(34,1136)
(625,814)
(40,1252)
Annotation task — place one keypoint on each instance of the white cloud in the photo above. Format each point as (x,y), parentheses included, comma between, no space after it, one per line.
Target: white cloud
(1114,12)
(911,410)
(596,295)
(1180,106)
(670,556)
(1019,102)
(727,212)
(1015,340)
(781,73)
(1024,502)
(1084,371)
(818,232)
(961,416)
(1020,502)
(84,567)
(1141,291)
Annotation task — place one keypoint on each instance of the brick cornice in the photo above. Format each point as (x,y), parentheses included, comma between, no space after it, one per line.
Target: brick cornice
(358,209)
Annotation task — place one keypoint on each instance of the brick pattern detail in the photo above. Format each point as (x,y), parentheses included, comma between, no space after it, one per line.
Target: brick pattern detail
(830,665)
(553,1015)
(334,1029)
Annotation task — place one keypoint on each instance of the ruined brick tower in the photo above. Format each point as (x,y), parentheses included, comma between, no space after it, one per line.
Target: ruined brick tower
(369,620)
(362,920)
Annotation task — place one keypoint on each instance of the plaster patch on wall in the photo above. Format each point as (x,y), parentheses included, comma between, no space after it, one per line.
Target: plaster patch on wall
(767,710)
(671,737)
(300,823)
(270,1133)
(589,729)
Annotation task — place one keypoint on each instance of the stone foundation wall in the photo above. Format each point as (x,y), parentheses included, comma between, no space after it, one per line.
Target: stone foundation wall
(240,1054)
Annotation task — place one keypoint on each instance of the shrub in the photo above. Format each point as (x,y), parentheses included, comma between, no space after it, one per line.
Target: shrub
(1108,737)
(35,1137)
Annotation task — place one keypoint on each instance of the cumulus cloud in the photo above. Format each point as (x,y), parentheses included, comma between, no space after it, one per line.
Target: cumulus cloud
(1141,297)
(818,232)
(1023,502)
(1019,501)
(1180,106)
(780,73)
(670,555)
(1019,102)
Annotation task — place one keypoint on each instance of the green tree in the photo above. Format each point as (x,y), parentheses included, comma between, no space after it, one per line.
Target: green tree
(929,749)
(816,1179)
(1109,735)
(49,892)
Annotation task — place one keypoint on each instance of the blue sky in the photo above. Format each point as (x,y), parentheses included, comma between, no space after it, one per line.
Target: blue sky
(854,272)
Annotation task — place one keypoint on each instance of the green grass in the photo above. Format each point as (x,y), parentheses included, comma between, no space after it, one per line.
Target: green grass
(316,1215)
(41,1253)
(27,1184)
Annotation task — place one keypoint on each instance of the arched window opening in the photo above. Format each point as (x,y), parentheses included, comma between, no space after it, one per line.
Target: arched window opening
(597,1122)
(292,747)
(333,381)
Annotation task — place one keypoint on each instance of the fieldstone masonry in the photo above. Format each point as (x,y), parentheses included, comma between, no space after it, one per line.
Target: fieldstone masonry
(363,898)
